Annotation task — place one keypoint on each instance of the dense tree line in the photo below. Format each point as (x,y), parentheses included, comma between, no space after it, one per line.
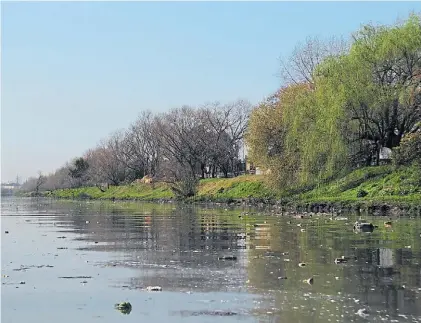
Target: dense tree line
(342,106)
(178,147)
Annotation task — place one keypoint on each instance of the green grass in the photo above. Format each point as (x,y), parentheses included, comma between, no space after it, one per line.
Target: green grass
(212,188)
(235,188)
(132,191)
(380,184)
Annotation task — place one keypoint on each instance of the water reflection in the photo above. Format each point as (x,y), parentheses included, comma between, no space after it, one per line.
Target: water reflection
(178,248)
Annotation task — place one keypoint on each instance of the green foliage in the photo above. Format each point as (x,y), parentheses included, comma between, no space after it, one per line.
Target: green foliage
(236,188)
(362,193)
(81,166)
(409,150)
(380,183)
(356,103)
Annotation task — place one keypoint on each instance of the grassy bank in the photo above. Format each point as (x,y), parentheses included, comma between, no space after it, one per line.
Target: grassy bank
(383,184)
(212,188)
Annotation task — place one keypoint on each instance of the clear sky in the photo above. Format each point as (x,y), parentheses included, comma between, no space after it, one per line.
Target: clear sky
(72,72)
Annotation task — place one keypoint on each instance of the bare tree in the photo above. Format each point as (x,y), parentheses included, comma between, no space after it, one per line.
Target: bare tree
(105,162)
(60,179)
(177,132)
(40,181)
(141,146)
(227,124)
(300,65)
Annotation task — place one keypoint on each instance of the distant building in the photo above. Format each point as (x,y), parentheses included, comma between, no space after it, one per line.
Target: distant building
(252,168)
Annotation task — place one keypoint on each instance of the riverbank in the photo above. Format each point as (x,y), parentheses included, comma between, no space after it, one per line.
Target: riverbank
(372,188)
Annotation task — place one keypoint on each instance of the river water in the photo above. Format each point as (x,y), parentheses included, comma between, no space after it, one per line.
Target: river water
(72,261)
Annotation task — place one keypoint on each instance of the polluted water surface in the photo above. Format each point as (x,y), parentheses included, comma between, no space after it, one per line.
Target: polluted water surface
(107,262)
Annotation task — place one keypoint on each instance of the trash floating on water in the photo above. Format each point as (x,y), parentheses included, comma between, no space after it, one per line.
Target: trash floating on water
(124,307)
(227,258)
(362,312)
(22,282)
(208,313)
(75,277)
(154,288)
(301,264)
(24,268)
(341,260)
(309,281)
(6,232)
(363,227)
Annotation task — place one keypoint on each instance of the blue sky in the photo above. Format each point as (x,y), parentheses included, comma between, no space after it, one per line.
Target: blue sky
(72,72)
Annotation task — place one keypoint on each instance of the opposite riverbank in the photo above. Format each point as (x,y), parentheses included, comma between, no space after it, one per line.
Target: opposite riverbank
(381,188)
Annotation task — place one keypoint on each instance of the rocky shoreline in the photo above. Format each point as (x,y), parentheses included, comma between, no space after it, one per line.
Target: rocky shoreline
(371,207)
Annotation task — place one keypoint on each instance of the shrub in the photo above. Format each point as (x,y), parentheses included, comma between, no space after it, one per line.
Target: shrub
(361,193)
(409,150)
(186,187)
(84,196)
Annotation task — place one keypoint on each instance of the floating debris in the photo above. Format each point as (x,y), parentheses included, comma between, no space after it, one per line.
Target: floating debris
(309,281)
(282,277)
(301,264)
(21,268)
(362,312)
(207,312)
(227,258)
(62,237)
(388,224)
(363,227)
(154,288)
(22,282)
(341,260)
(75,277)
(62,248)
(6,232)
(124,307)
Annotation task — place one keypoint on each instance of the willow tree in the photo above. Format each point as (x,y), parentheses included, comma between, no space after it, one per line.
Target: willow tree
(313,142)
(377,85)
(271,134)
